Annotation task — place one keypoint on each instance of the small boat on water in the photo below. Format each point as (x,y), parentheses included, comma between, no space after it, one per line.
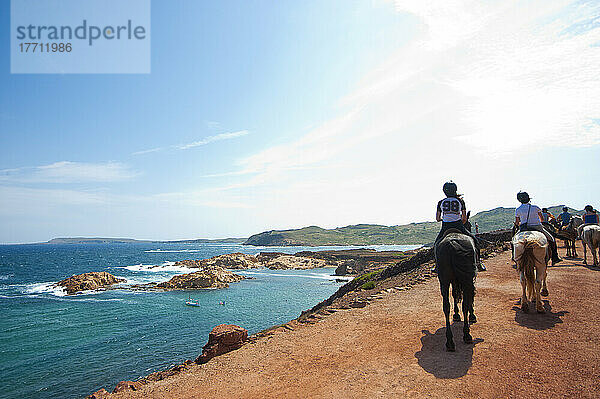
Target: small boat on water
(189,302)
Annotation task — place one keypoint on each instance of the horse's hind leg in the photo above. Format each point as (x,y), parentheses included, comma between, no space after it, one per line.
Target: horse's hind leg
(524,302)
(472,317)
(456,315)
(544,291)
(540,277)
(467,306)
(456,295)
(450,347)
(584,253)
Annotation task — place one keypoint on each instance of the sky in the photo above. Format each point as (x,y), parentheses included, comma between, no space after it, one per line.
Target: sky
(281,114)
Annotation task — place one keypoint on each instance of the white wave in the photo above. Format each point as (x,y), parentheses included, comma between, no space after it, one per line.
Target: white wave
(319,276)
(172,250)
(75,299)
(6,276)
(165,267)
(45,288)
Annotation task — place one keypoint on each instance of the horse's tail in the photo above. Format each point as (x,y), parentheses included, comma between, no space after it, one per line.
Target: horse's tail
(527,265)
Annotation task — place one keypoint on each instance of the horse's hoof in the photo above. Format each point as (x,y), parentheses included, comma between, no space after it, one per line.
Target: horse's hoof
(544,292)
(456,317)
(472,319)
(524,307)
(468,339)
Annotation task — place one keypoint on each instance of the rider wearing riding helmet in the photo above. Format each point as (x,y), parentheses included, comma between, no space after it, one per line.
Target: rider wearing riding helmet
(452,212)
(529,217)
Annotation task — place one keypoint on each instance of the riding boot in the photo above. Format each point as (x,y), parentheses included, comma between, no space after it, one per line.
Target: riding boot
(480,265)
(554,250)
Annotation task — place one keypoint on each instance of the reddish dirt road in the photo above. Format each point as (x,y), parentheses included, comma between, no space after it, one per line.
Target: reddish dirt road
(394,348)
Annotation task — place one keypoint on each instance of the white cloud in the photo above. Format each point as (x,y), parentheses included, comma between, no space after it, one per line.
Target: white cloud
(500,78)
(69,172)
(212,139)
(147,151)
(204,141)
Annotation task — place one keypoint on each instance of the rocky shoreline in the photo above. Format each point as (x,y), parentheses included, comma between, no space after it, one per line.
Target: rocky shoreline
(214,273)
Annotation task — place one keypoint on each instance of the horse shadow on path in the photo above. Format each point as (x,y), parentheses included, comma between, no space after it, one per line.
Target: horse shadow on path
(538,321)
(571,262)
(434,359)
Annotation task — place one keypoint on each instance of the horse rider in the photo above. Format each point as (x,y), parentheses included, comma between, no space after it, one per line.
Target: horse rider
(565,218)
(529,217)
(547,217)
(452,212)
(590,216)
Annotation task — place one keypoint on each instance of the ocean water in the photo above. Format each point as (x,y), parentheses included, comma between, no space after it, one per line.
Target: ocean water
(57,346)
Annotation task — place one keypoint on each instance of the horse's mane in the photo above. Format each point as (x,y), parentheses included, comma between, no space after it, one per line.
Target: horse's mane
(452,231)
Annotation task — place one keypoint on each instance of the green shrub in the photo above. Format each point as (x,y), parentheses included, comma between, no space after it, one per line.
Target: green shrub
(369,285)
(368,276)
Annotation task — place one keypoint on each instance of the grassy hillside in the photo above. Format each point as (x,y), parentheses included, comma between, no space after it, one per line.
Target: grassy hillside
(370,234)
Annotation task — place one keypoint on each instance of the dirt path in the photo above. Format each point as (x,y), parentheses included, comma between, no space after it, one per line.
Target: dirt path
(394,348)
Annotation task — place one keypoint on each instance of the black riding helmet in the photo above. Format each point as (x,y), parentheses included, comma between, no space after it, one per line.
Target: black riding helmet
(523,197)
(450,189)
(565,209)
(589,208)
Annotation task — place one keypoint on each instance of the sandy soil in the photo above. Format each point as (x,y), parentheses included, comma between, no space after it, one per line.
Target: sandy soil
(394,347)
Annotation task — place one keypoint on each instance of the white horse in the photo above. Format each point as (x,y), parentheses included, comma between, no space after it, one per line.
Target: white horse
(532,253)
(590,236)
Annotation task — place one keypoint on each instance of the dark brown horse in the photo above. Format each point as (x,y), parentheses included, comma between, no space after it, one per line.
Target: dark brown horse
(569,235)
(455,258)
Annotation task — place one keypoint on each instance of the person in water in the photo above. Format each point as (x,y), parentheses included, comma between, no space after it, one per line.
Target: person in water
(564,217)
(590,216)
(529,217)
(452,212)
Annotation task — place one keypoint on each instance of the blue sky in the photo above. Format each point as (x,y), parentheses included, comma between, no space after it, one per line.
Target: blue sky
(280,114)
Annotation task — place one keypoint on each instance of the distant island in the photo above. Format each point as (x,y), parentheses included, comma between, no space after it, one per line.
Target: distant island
(104,240)
(359,234)
(373,234)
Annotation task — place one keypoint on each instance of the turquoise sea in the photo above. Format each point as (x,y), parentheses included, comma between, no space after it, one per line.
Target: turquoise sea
(57,346)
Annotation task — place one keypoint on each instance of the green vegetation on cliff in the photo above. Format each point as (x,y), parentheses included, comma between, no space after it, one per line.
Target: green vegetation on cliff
(371,234)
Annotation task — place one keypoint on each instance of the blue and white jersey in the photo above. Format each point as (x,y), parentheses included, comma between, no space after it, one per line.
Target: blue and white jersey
(451,209)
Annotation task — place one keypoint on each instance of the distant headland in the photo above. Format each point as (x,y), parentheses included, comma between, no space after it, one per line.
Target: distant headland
(360,234)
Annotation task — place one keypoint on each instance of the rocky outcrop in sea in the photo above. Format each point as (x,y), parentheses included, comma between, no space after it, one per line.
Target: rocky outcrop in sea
(88,281)
(207,278)
(269,260)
